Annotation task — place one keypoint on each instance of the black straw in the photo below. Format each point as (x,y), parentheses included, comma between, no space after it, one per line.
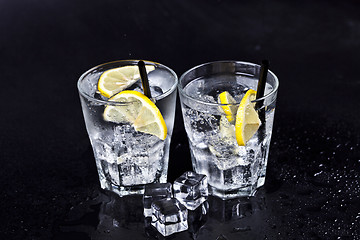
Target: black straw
(262,82)
(259,94)
(261,89)
(144,78)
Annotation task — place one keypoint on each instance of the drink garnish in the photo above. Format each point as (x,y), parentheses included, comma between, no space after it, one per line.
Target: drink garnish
(247,119)
(230,109)
(139,110)
(117,79)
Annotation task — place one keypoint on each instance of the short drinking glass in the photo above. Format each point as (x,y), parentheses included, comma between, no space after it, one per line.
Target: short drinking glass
(214,105)
(127,157)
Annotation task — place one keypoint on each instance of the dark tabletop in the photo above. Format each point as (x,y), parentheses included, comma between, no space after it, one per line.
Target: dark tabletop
(49,184)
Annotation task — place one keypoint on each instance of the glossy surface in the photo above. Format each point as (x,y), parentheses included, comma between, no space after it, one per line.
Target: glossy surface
(49,183)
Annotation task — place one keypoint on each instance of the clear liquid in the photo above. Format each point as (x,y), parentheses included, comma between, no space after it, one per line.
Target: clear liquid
(231,169)
(127,159)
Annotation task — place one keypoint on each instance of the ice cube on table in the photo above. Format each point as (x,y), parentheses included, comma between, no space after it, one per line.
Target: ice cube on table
(169,216)
(154,192)
(191,189)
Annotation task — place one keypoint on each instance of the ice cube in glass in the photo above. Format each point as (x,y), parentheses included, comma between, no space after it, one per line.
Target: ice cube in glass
(191,189)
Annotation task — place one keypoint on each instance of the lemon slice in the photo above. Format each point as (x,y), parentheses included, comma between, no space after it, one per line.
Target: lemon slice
(138,110)
(247,119)
(117,79)
(229,110)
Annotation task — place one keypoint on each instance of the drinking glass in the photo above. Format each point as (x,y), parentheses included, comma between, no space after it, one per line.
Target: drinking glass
(232,170)
(127,159)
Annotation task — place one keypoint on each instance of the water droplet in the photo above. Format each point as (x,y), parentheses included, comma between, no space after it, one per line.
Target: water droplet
(115,223)
(241,229)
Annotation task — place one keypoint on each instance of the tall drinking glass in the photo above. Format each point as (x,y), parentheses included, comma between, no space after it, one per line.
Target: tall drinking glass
(233,169)
(126,158)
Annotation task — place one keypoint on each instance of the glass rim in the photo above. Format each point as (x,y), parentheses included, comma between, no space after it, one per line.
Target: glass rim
(161,96)
(266,96)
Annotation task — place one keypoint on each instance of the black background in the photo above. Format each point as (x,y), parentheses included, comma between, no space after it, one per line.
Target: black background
(47,169)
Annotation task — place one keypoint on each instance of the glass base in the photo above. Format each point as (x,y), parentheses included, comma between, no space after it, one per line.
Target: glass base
(123,191)
(247,191)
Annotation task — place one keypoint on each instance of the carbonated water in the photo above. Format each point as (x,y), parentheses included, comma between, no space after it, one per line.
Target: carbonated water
(126,159)
(231,169)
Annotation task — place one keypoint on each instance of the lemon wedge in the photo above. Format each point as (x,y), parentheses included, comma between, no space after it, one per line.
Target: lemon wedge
(138,110)
(117,79)
(247,119)
(230,110)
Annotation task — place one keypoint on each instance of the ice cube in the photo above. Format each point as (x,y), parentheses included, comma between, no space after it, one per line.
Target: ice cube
(99,96)
(169,216)
(154,192)
(137,86)
(155,90)
(191,189)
